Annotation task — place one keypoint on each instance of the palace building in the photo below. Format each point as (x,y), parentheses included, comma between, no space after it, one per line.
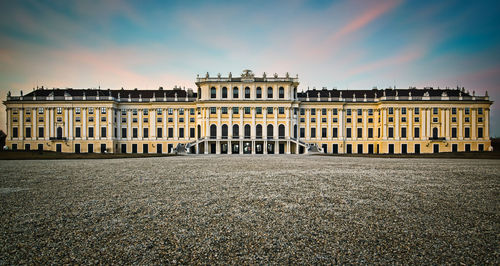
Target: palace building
(249,115)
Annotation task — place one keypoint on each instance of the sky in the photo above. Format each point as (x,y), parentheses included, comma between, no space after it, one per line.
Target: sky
(342,44)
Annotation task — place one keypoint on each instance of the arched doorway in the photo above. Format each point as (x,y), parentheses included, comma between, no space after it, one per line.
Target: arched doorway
(213,131)
(281,131)
(236,131)
(247,131)
(258,131)
(224,131)
(270,132)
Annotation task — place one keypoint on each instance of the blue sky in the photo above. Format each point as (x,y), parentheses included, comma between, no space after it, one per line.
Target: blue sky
(343,44)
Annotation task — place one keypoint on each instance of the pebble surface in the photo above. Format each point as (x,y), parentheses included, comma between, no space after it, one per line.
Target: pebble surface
(250,210)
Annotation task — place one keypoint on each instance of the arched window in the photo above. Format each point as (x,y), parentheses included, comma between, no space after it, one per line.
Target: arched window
(235,92)
(281,131)
(281,92)
(213,131)
(247,93)
(224,92)
(270,93)
(247,131)
(224,131)
(259,92)
(199,131)
(295,131)
(59,132)
(213,93)
(435,133)
(270,131)
(236,131)
(258,131)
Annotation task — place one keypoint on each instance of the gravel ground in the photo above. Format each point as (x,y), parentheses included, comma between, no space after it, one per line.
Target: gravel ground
(250,210)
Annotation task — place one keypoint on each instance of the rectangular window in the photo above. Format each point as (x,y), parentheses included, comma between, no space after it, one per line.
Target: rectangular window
(467,132)
(370,120)
(281,110)
(77,110)
(258,110)
(247,110)
(159,111)
(302,132)
(41,132)
(103,132)
(360,111)
(335,120)
(302,111)
(479,111)
(391,119)
(181,119)
(435,111)
(467,119)
(159,119)
(91,132)
(453,111)
(348,120)
(417,110)
(236,110)
(467,110)
(417,119)
(416,132)
(191,111)
(370,111)
(103,110)
(28,132)
(134,111)
(313,132)
(334,132)
(145,112)
(78,132)
(124,120)
(170,120)
(77,119)
(181,111)
(170,111)
(403,110)
(403,132)
(370,133)
(213,110)
(313,120)
(454,119)
(348,111)
(391,110)
(181,132)
(134,132)
(360,120)
(313,111)
(224,110)
(14,132)
(270,110)
(434,119)
(159,132)
(391,132)
(145,132)
(479,132)
(479,119)
(59,110)
(323,111)
(124,132)
(348,132)
(302,120)
(323,120)
(403,119)
(170,132)
(247,93)
(40,119)
(454,132)
(40,110)
(360,132)
(192,133)
(323,132)
(103,118)
(334,111)
(124,112)
(134,120)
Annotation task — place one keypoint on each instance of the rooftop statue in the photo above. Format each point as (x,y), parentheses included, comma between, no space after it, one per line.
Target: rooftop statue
(247,73)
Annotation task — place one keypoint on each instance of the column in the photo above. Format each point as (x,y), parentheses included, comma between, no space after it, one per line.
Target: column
(473,129)
(119,124)
(230,124)
(176,127)
(308,119)
(329,118)
(447,124)
(423,123)
(341,123)
(97,129)
(242,131)
(110,123)
(84,120)
(21,123)
(460,128)
(139,133)
(51,122)
(34,136)
(164,111)
(487,123)
(365,124)
(396,129)
(287,123)
(410,123)
(152,123)
(384,123)
(219,125)
(129,124)
(354,130)
(9,124)
(443,132)
(428,127)
(66,122)
(70,135)
(276,113)
(252,131)
(186,123)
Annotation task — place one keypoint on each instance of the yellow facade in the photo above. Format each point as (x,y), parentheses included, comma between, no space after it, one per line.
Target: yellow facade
(249,114)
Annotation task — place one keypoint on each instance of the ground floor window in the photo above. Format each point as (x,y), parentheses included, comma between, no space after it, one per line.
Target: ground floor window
(360,148)
(404,148)
(145,148)
(90,148)
(77,148)
(480,147)
(349,148)
(417,148)
(391,148)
